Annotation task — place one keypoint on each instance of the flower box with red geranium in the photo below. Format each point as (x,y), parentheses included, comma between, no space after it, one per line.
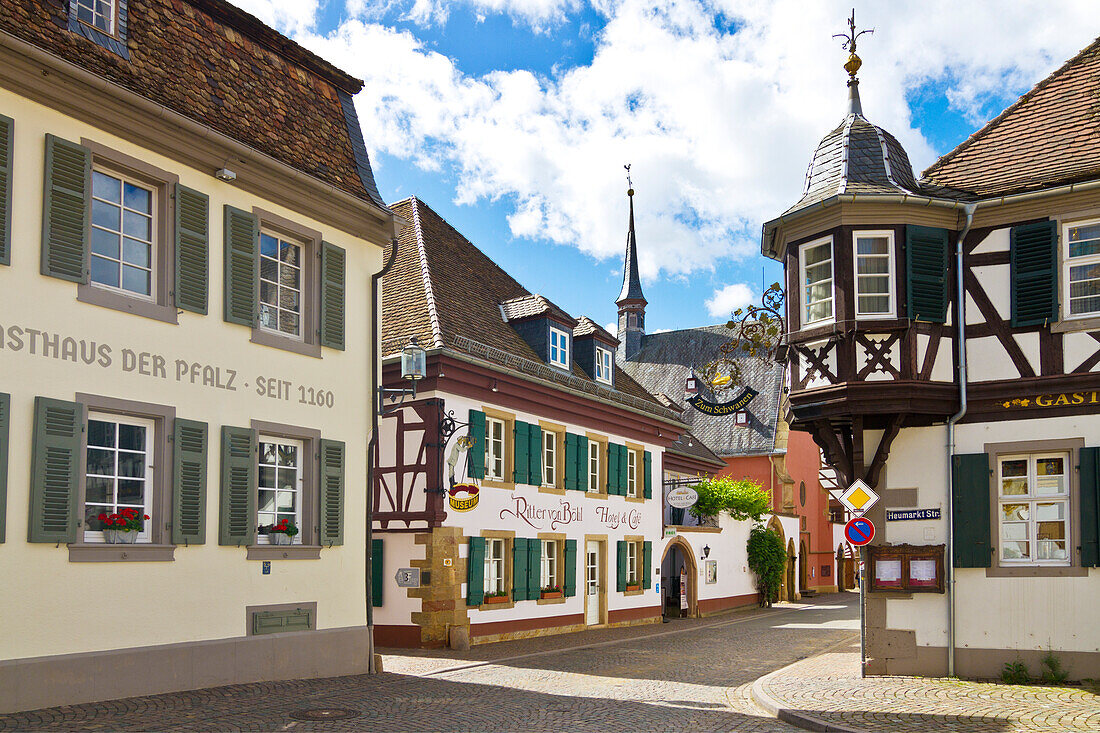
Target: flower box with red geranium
(282,533)
(124,527)
(551,591)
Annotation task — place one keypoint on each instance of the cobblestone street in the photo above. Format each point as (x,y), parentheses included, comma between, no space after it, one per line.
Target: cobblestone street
(685,675)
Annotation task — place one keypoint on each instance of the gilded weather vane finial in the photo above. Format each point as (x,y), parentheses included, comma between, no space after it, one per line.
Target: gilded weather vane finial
(849,44)
(629,183)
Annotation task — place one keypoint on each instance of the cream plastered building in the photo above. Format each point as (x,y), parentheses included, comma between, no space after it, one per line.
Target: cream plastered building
(191,346)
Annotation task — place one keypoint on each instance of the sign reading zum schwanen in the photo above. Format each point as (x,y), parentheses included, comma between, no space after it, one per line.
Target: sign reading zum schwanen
(723,408)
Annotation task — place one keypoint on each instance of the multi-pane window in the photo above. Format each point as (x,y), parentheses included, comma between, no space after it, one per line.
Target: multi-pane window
(1033,508)
(632,563)
(874,273)
(494,449)
(816,276)
(559,348)
(281,284)
(280,484)
(603,365)
(97,13)
(632,473)
(594,467)
(549,572)
(119,471)
(494,566)
(549,458)
(122,234)
(1082,270)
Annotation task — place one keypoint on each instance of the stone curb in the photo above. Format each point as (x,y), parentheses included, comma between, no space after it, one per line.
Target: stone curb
(797,718)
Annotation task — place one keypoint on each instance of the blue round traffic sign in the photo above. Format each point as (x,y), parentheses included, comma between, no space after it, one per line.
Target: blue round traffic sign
(859,531)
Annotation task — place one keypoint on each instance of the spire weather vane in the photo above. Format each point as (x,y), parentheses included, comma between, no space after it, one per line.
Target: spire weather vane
(849,45)
(629,183)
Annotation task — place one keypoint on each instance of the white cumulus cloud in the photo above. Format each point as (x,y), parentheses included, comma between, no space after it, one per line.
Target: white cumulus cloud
(728,299)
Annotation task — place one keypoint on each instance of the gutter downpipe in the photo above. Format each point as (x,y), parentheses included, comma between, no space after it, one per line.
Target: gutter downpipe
(960,322)
(372,444)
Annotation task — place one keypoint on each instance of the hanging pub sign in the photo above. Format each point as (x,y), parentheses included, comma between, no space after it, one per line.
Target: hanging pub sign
(682,497)
(723,408)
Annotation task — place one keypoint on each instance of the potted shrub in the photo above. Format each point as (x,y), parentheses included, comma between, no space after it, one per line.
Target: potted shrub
(282,533)
(122,528)
(550,591)
(496,596)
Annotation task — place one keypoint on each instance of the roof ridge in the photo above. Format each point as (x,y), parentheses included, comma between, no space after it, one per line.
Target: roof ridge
(429,293)
(988,127)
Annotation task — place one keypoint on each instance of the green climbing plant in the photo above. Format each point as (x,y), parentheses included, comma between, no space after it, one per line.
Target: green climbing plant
(768,559)
(741,499)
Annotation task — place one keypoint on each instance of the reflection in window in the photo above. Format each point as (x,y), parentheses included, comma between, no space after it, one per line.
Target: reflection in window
(280,485)
(1033,509)
(280,285)
(122,234)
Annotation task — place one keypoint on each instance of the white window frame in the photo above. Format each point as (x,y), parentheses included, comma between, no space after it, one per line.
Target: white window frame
(890,274)
(632,473)
(298,488)
(559,348)
(548,573)
(303,270)
(549,458)
(603,365)
(494,565)
(632,563)
(595,448)
(803,289)
(1031,499)
(494,449)
(112,29)
(145,536)
(1067,263)
(154,233)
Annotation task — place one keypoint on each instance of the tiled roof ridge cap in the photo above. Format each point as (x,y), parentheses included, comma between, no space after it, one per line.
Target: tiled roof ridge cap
(844,136)
(886,158)
(429,293)
(271,39)
(995,122)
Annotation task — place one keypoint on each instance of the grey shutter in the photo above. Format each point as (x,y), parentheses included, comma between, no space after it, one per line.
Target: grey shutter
(582,463)
(190,449)
(970,511)
(927,265)
(242,233)
(192,249)
(7,153)
(1034,273)
(332,492)
(5,430)
(475,455)
(475,572)
(520,569)
(377,568)
(1090,507)
(569,567)
(66,210)
(55,470)
(333,275)
(237,518)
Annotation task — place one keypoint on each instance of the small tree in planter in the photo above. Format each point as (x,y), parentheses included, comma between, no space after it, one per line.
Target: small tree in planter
(741,499)
(768,559)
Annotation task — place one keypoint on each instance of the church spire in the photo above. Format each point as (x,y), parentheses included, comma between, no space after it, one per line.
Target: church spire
(632,283)
(631,302)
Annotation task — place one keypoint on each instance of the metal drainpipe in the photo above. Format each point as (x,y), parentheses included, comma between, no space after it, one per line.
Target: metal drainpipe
(375,406)
(949,550)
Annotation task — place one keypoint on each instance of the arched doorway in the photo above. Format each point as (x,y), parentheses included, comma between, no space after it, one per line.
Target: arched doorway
(803,567)
(784,587)
(792,589)
(678,554)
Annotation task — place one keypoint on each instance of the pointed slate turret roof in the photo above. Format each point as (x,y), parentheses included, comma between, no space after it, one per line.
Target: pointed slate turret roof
(632,284)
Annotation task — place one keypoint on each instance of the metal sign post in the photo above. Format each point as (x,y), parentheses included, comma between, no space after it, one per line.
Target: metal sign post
(862,621)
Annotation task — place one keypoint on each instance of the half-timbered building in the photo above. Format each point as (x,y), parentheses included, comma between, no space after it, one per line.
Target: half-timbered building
(943,337)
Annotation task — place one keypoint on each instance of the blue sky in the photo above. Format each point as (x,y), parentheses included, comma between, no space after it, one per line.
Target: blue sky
(513,118)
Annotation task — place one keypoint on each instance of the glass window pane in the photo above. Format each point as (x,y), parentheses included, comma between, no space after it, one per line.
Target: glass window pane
(269,269)
(104,242)
(136,253)
(1015,550)
(131,464)
(874,304)
(269,316)
(1014,531)
(1014,487)
(267,453)
(101,462)
(1084,305)
(105,215)
(91,516)
(872,245)
(269,245)
(288,455)
(290,253)
(288,299)
(289,276)
(1050,510)
(1015,512)
(106,187)
(135,280)
(288,478)
(288,322)
(1051,550)
(267,477)
(817,254)
(286,501)
(131,437)
(265,520)
(137,198)
(269,293)
(131,492)
(1017,467)
(101,434)
(99,490)
(874,285)
(1051,531)
(819,292)
(872,265)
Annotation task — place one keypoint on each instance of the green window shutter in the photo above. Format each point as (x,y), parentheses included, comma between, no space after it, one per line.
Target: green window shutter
(192,249)
(970,510)
(519,568)
(189,458)
(647,564)
(612,468)
(7,153)
(5,430)
(621,574)
(66,210)
(926,266)
(1090,507)
(377,568)
(332,492)
(1034,273)
(624,475)
(648,471)
(570,478)
(569,568)
(521,453)
(333,274)
(581,464)
(534,569)
(55,470)
(237,518)
(242,234)
(475,455)
(534,454)
(475,572)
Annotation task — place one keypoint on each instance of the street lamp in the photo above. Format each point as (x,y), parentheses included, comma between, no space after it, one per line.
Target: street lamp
(413,369)
(706,552)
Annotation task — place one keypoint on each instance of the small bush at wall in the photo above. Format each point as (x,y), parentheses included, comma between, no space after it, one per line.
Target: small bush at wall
(1015,673)
(1052,672)
(741,499)
(768,559)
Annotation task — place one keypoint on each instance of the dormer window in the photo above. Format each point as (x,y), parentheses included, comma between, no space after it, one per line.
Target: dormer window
(603,365)
(815,264)
(559,348)
(874,276)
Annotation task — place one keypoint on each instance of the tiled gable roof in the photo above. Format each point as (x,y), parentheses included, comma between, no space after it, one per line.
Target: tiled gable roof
(220,66)
(1050,136)
(587,327)
(529,306)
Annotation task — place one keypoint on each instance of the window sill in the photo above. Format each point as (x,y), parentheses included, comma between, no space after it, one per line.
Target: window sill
(635,499)
(596,494)
(497,606)
(81,552)
(266,338)
(551,490)
(494,484)
(1036,571)
(1078,324)
(117,301)
(638,592)
(283,552)
(550,601)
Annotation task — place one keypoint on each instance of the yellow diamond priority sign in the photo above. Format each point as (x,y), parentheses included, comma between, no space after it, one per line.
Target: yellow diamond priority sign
(859,497)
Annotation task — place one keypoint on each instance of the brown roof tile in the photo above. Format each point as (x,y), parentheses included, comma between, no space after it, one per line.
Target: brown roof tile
(587,327)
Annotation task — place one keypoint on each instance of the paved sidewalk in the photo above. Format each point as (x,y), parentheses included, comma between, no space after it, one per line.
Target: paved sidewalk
(825,693)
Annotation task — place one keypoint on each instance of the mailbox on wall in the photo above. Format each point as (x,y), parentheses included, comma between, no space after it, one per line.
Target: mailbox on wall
(906,568)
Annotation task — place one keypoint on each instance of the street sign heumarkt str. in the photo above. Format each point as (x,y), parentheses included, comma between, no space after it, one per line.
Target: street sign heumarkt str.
(859,497)
(408,578)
